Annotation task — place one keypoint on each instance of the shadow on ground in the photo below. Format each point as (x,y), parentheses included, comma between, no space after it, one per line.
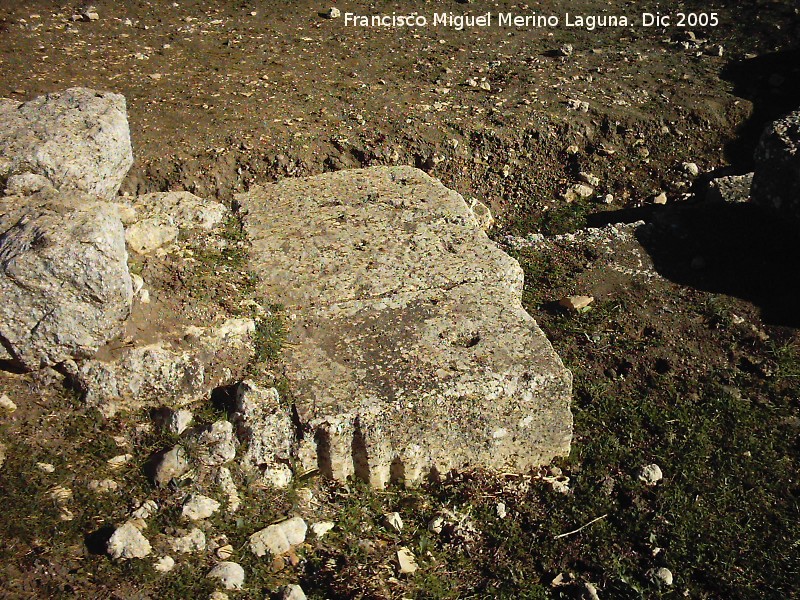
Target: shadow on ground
(733,249)
(769,81)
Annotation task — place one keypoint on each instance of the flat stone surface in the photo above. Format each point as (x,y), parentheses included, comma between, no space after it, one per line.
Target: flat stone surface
(409,352)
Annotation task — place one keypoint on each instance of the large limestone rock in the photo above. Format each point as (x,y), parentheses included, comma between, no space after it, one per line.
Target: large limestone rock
(776,181)
(173,372)
(409,352)
(65,288)
(78,139)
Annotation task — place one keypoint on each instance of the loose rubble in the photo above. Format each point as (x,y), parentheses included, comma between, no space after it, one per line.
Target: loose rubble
(103,486)
(394,521)
(660,576)
(576,303)
(165,564)
(293,592)
(6,404)
(146,510)
(167,465)
(179,421)
(407,562)
(198,507)
(193,541)
(278,539)
(320,528)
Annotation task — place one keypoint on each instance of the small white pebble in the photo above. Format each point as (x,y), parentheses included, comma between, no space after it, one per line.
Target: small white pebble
(650,474)
(436,525)
(394,521)
(660,198)
(691,168)
(164,564)
(406,561)
(60,493)
(146,510)
(119,460)
(103,486)
(321,528)
(6,404)
(661,576)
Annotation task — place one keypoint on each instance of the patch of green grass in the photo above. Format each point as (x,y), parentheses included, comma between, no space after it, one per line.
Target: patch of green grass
(787,361)
(543,272)
(220,269)
(78,442)
(718,310)
(270,335)
(565,218)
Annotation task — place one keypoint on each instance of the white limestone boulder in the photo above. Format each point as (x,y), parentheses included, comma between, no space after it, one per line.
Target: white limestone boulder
(65,288)
(78,139)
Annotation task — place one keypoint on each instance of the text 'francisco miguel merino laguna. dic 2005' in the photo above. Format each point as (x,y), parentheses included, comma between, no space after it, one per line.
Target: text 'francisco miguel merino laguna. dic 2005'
(530,21)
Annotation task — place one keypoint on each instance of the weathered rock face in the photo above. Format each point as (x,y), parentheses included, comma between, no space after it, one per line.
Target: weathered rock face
(169,373)
(776,181)
(409,352)
(733,189)
(157,218)
(266,428)
(78,139)
(65,288)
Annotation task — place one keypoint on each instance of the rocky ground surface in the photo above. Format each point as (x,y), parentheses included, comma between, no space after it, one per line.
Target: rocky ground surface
(594,149)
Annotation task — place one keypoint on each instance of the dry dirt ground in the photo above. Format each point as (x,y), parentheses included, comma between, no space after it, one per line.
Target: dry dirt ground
(695,369)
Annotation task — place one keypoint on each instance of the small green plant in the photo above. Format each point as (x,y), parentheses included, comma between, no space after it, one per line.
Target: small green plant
(270,335)
(565,218)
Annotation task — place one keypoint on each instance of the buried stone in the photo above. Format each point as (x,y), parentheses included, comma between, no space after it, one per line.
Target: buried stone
(409,352)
